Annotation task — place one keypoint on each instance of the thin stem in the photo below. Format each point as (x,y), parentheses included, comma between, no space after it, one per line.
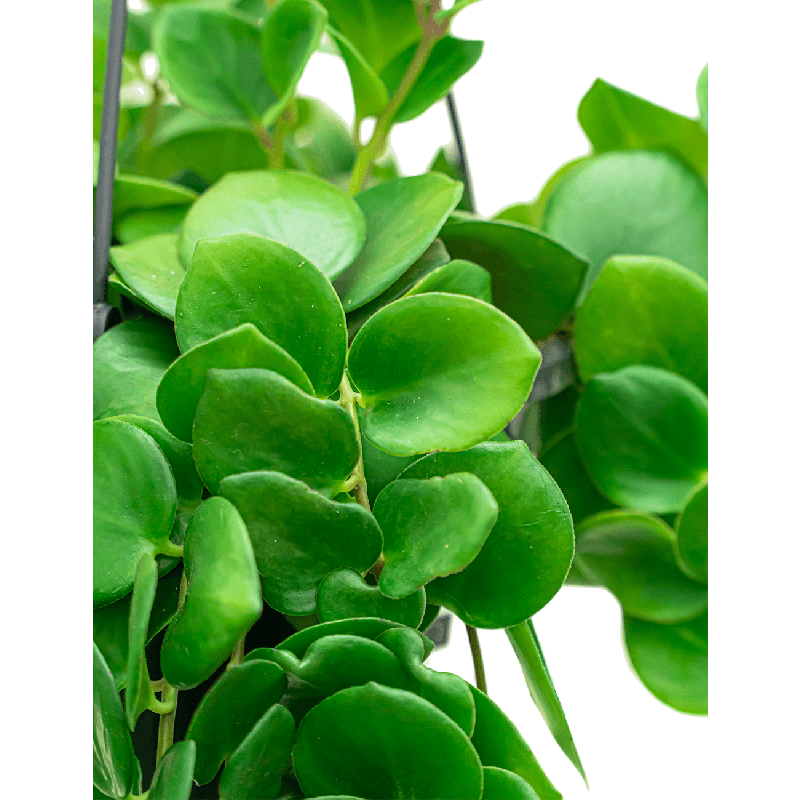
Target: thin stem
(477,658)
(285,118)
(237,655)
(358,480)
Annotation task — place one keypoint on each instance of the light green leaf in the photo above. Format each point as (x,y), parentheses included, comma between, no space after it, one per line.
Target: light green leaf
(174,772)
(702,97)
(456,277)
(692,536)
(145,222)
(500,784)
(369,91)
(136,192)
(319,140)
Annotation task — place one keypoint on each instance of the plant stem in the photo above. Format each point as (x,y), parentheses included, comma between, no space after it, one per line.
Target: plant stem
(358,480)
(477,658)
(238,654)
(169,696)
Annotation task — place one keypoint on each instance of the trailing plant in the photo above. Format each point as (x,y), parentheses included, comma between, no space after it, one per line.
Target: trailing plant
(300,437)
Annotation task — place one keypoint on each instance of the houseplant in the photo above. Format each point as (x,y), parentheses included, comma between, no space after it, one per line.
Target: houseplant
(299,421)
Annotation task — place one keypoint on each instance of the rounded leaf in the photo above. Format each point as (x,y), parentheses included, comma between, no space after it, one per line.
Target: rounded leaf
(138,192)
(173,775)
(692,530)
(457,277)
(500,784)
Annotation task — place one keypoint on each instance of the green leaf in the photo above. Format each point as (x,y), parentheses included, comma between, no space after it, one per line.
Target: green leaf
(534,279)
(250,420)
(403,216)
(212,60)
(671,661)
(540,685)
(637,202)
(500,744)
(245,346)
(236,701)
(692,536)
(500,784)
(643,436)
(440,372)
(702,97)
(299,536)
(115,766)
(151,269)
(380,467)
(448,162)
(319,140)
(456,277)
(138,690)
(632,555)
(145,222)
(254,770)
(134,506)
(343,594)
(245,278)
(354,741)
(629,317)
(129,360)
(614,119)
(370,96)
(298,210)
(449,59)
(431,528)
(223,597)
(173,776)
(139,192)
(532,537)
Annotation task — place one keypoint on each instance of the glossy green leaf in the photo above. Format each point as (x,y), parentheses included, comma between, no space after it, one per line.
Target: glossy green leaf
(299,536)
(343,594)
(671,661)
(630,314)
(129,360)
(380,467)
(431,528)
(534,279)
(448,162)
(139,691)
(643,436)
(236,701)
(115,766)
(528,553)
(702,97)
(173,776)
(298,210)
(251,420)
(134,506)
(223,597)
(254,770)
(319,140)
(212,60)
(410,360)
(500,784)
(540,685)
(245,278)
(457,277)
(140,192)
(632,554)
(351,742)
(637,202)
(245,346)
(370,96)
(151,269)
(692,536)
(500,744)
(450,59)
(431,612)
(142,223)
(614,119)
(403,216)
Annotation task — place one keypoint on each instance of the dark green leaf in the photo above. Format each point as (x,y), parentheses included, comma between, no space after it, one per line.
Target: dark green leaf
(457,277)
(500,784)
(692,530)
(380,467)
(173,776)
(702,97)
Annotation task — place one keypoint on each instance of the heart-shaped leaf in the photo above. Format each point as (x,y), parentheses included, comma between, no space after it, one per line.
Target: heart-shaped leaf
(528,553)
(223,597)
(614,119)
(534,279)
(254,770)
(643,435)
(632,554)
(403,216)
(299,536)
(370,96)
(629,316)
(146,222)
(349,742)
(252,420)
(692,539)
(702,97)
(457,277)
(500,744)
(295,209)
(245,346)
(671,661)
(173,776)
(500,784)
(134,506)
(129,360)
(410,360)
(115,765)
(150,268)
(343,594)
(245,278)
(431,528)
(236,701)
(638,202)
